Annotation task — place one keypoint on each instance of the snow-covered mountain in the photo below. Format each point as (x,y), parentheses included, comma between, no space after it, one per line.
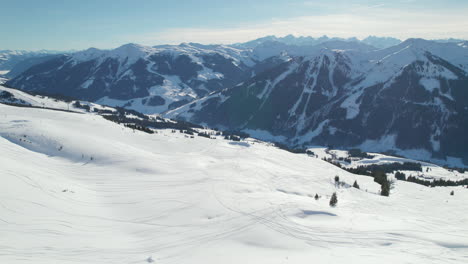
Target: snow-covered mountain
(8,58)
(291,40)
(381,42)
(77,188)
(150,79)
(13,62)
(155,79)
(378,42)
(270,49)
(409,97)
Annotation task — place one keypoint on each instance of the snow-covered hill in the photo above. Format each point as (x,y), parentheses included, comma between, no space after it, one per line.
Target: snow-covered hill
(14,96)
(80,189)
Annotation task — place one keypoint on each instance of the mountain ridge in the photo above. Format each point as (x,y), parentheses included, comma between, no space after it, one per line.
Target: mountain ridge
(335,81)
(323,94)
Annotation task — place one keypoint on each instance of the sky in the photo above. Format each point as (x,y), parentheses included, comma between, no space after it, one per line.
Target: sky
(80,24)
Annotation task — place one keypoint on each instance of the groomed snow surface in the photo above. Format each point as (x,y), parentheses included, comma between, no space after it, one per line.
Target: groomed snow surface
(77,188)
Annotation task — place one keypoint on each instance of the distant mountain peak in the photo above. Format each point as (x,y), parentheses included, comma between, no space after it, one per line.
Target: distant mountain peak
(378,42)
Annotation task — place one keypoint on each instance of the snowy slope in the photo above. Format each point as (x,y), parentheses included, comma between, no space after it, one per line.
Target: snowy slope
(19,97)
(80,189)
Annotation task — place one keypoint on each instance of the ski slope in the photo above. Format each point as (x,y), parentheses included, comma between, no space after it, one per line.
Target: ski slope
(77,188)
(48,102)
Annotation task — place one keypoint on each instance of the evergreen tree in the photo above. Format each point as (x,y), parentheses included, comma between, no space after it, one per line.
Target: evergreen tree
(316,197)
(379,177)
(337,180)
(356,185)
(452,192)
(333,200)
(385,191)
(400,176)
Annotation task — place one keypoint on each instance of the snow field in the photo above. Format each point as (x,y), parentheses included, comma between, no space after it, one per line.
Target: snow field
(80,189)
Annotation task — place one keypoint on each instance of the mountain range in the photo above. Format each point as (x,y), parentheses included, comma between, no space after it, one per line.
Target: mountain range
(378,94)
(14,62)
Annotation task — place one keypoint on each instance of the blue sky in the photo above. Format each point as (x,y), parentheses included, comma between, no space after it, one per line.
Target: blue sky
(79,24)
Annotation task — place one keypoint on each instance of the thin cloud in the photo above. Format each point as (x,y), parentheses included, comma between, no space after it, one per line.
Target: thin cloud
(373,20)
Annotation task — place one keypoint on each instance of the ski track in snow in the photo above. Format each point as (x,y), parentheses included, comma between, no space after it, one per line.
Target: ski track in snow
(180,200)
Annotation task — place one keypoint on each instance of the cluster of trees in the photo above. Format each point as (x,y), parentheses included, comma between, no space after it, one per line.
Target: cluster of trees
(124,112)
(120,116)
(379,176)
(386,168)
(379,173)
(339,183)
(460,170)
(237,133)
(145,124)
(86,107)
(141,128)
(357,153)
(103,111)
(334,197)
(292,149)
(348,160)
(232,137)
(188,132)
(204,134)
(433,183)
